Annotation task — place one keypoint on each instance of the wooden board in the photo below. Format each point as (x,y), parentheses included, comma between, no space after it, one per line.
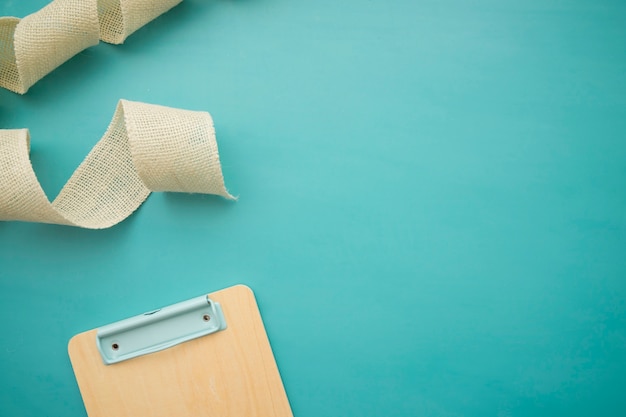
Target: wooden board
(228,373)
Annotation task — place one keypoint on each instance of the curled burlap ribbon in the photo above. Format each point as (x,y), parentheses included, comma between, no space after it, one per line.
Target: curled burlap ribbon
(33,46)
(145,148)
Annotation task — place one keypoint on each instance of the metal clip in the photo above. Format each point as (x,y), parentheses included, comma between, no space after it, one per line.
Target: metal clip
(159,329)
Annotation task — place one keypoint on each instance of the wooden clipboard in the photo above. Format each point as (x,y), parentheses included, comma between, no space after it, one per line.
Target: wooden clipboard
(230,372)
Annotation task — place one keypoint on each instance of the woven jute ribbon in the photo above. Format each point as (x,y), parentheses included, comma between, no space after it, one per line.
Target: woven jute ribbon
(33,46)
(145,148)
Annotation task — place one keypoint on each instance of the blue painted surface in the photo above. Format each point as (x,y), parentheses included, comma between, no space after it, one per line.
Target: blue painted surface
(432,202)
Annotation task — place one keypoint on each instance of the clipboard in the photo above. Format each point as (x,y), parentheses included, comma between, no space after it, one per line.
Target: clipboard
(208,356)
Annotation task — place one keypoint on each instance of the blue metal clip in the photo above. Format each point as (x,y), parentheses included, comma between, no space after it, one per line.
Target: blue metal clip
(159,329)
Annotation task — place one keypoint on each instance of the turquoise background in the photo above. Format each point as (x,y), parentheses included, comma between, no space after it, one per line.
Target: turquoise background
(432,204)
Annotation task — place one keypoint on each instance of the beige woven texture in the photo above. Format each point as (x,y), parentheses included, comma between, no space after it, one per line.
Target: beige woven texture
(145,148)
(32,47)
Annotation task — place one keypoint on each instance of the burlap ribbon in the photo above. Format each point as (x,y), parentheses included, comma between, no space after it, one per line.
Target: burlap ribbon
(33,46)
(145,148)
